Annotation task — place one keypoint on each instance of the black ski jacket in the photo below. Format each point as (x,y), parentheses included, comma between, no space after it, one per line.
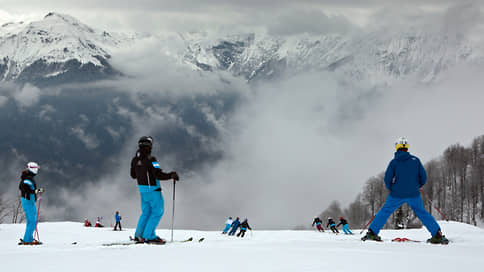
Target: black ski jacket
(245,225)
(25,188)
(146,170)
(316,220)
(330,222)
(342,222)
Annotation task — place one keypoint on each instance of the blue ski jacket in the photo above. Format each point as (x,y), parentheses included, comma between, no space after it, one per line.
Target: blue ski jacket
(235,224)
(117,217)
(405,175)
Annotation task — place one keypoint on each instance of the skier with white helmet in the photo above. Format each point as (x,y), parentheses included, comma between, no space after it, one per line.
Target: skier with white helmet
(404,176)
(332,225)
(28,190)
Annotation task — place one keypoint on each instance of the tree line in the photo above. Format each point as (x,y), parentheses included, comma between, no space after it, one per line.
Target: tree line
(454,191)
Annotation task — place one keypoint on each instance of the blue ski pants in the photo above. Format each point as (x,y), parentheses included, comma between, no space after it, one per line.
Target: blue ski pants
(346,229)
(152,209)
(31,216)
(226,229)
(393,203)
(234,230)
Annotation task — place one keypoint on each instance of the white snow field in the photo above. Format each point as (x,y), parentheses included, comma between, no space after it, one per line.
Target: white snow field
(259,251)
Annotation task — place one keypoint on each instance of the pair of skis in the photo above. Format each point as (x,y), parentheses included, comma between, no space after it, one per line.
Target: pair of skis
(403,240)
(132,241)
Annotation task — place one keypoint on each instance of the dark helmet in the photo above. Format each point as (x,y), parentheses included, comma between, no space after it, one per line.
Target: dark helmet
(145,141)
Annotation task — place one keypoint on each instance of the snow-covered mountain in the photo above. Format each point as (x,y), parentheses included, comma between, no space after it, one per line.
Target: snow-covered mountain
(59,49)
(56,49)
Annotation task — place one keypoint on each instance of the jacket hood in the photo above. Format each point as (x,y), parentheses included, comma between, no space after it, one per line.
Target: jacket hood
(402,156)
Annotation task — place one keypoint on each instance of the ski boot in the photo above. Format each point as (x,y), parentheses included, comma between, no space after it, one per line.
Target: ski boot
(138,240)
(370,235)
(438,238)
(157,241)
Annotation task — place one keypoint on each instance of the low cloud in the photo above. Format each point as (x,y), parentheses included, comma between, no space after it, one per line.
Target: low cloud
(27,96)
(89,140)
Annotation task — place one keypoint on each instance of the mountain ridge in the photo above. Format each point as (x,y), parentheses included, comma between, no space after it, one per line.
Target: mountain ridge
(59,49)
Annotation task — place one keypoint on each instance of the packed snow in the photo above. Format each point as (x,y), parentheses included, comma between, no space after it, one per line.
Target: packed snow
(69,246)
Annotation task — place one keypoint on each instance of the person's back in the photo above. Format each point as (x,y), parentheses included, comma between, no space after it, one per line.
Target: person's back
(235,226)
(405,175)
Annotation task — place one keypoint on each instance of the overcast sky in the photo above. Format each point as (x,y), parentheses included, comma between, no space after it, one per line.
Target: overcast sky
(153,15)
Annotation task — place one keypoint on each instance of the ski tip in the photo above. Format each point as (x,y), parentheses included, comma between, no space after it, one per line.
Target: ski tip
(201,239)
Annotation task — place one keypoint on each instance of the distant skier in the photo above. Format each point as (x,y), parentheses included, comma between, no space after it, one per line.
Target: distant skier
(404,176)
(243,228)
(117,217)
(228,224)
(332,225)
(28,190)
(343,222)
(319,226)
(87,223)
(235,226)
(146,170)
(98,223)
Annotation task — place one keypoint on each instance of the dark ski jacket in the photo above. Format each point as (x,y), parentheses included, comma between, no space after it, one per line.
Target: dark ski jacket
(405,175)
(146,170)
(27,185)
(316,221)
(245,225)
(330,222)
(235,224)
(342,222)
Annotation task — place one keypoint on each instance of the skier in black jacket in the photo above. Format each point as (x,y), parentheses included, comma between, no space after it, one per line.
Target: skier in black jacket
(146,170)
(243,228)
(28,190)
(343,222)
(318,223)
(332,225)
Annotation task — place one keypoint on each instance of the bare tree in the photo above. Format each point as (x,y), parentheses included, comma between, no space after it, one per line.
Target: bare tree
(357,213)
(4,208)
(18,215)
(334,210)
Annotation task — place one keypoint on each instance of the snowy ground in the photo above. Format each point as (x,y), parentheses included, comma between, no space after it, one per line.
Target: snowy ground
(261,251)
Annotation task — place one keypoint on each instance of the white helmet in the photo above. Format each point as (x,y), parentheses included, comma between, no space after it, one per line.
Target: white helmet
(33,167)
(401,142)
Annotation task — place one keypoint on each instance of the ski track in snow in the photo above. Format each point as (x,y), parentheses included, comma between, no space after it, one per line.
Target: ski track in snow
(259,251)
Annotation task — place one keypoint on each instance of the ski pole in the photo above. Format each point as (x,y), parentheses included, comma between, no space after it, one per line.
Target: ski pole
(173,211)
(369,222)
(36,233)
(432,204)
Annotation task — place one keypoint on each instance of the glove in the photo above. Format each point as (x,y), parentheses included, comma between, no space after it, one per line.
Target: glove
(174,176)
(40,190)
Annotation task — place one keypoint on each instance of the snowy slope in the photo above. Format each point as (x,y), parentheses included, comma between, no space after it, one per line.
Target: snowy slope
(260,251)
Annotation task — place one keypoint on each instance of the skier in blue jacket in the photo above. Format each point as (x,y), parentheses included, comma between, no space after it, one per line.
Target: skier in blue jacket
(235,226)
(404,176)
(29,191)
(146,170)
(117,217)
